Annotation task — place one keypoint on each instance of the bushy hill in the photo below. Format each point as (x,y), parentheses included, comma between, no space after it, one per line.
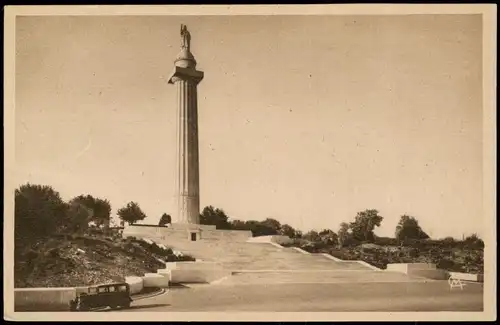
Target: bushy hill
(81,260)
(66,244)
(454,256)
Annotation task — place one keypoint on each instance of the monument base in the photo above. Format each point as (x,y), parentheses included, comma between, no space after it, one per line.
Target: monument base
(190,226)
(178,233)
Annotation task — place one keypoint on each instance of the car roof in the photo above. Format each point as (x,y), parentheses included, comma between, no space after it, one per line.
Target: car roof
(112,284)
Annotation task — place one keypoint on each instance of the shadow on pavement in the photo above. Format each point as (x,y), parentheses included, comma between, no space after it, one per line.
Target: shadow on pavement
(178,286)
(133,308)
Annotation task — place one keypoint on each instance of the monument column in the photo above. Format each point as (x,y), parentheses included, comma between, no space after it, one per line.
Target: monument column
(185,77)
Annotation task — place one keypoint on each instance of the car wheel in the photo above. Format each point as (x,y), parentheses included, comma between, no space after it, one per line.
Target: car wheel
(83,308)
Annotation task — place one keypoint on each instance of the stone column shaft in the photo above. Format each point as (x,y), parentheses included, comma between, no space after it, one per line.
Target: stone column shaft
(187,152)
(186,81)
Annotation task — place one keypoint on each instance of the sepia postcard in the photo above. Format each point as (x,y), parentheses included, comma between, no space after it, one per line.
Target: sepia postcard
(280,162)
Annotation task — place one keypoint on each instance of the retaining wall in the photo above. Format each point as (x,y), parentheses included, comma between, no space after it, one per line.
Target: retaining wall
(281,240)
(197,276)
(425,270)
(43,299)
(226,235)
(136,284)
(193,272)
(155,280)
(467,276)
(410,267)
(193,265)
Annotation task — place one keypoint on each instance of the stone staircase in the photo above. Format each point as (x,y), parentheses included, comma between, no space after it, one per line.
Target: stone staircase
(260,256)
(265,263)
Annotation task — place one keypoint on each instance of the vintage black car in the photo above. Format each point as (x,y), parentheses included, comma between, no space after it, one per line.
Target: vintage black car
(113,295)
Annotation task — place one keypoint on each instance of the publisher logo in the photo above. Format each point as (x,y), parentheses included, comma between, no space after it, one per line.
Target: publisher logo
(455,283)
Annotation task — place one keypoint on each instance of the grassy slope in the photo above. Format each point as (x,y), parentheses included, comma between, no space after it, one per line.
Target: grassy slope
(65,261)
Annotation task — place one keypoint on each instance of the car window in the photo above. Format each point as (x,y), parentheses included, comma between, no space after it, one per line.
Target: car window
(103,289)
(92,290)
(112,289)
(122,288)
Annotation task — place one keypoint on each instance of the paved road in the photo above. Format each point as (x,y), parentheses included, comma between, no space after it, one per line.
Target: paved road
(341,297)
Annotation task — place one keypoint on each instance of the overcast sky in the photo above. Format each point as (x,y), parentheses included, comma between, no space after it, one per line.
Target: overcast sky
(306,119)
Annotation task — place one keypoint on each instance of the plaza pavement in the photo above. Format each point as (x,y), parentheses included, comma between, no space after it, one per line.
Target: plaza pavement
(320,297)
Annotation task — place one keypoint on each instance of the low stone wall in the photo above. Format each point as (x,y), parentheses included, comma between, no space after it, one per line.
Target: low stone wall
(300,250)
(197,276)
(43,299)
(136,284)
(281,240)
(57,299)
(141,231)
(397,267)
(467,276)
(368,265)
(195,265)
(424,270)
(420,266)
(193,272)
(155,280)
(410,267)
(226,235)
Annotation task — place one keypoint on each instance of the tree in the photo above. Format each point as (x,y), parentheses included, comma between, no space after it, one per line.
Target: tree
(131,213)
(363,225)
(165,220)
(113,223)
(474,241)
(343,234)
(216,217)
(287,230)
(408,228)
(238,225)
(99,209)
(102,212)
(259,228)
(312,236)
(328,237)
(273,225)
(79,215)
(38,211)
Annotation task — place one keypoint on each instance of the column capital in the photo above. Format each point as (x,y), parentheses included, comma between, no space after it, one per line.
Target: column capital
(179,73)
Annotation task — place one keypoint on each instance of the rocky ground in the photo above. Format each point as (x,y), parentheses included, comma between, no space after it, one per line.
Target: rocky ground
(69,260)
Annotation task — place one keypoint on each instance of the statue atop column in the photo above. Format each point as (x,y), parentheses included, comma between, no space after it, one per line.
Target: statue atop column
(185,38)
(185,58)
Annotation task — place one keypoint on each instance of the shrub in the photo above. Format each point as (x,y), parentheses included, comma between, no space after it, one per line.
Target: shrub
(473,241)
(448,240)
